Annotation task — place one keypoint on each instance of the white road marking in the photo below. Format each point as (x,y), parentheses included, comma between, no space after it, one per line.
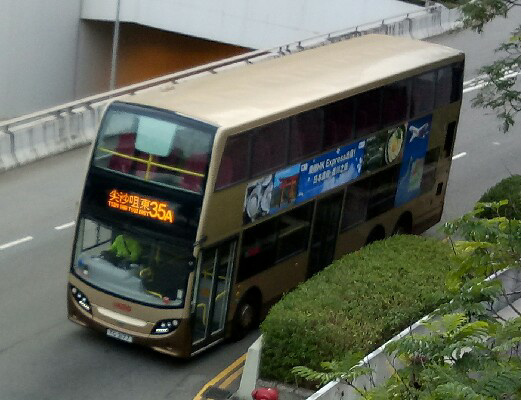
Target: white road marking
(463,154)
(470,89)
(496,143)
(64,226)
(14,243)
(479,82)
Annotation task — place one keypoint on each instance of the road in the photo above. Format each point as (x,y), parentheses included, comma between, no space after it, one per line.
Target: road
(43,356)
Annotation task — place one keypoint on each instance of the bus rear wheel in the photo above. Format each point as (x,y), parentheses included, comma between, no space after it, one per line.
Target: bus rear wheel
(404,225)
(246,317)
(378,233)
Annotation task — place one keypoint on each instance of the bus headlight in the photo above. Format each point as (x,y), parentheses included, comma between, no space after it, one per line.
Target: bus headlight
(165,326)
(80,298)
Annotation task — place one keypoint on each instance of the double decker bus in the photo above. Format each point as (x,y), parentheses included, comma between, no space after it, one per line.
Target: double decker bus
(205,202)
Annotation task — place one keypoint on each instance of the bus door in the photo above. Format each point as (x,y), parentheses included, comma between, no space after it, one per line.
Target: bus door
(211,294)
(324,235)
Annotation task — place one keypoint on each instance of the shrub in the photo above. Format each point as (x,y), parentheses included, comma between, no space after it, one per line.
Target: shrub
(355,305)
(507,189)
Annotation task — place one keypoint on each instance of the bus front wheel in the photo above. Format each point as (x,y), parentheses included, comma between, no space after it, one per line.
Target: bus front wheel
(246,317)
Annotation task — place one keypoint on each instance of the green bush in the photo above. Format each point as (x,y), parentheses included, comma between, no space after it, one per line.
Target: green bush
(507,189)
(355,305)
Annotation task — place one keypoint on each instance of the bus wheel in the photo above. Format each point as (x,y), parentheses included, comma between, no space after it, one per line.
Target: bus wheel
(404,225)
(246,317)
(378,233)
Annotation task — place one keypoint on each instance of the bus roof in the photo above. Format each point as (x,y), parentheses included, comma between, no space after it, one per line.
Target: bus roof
(245,94)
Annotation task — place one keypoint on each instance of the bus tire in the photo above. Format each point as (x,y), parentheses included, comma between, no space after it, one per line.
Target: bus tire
(404,225)
(246,316)
(378,233)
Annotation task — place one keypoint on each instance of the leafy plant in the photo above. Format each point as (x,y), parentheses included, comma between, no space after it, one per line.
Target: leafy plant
(500,92)
(470,352)
(509,189)
(354,305)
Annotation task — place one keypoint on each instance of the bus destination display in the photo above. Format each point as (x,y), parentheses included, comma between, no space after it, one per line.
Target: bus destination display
(141,205)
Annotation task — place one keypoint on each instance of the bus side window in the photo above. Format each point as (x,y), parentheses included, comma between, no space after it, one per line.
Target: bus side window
(444,86)
(269,147)
(395,103)
(258,249)
(234,162)
(355,204)
(383,191)
(293,231)
(449,138)
(429,170)
(338,123)
(368,112)
(457,82)
(306,131)
(423,91)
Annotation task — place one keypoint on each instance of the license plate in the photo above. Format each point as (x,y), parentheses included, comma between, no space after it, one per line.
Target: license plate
(118,335)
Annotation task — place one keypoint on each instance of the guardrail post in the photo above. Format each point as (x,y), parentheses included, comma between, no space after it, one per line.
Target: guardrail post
(7,155)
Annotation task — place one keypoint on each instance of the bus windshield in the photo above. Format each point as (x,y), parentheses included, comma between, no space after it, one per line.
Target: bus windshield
(132,265)
(153,145)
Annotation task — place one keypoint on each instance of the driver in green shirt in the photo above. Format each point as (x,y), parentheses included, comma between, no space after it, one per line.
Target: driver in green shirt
(125,250)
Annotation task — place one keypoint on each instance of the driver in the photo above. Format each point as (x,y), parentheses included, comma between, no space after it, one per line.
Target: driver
(125,250)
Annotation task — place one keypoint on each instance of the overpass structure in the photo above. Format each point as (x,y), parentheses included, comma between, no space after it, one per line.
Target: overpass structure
(71,125)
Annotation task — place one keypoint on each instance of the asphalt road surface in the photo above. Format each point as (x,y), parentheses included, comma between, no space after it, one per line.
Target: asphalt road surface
(44,356)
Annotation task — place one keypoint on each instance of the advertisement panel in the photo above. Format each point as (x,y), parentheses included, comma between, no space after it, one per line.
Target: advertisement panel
(300,182)
(411,171)
(330,170)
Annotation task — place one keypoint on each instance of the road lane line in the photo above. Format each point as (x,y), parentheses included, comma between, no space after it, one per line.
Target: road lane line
(14,243)
(231,378)
(482,83)
(470,89)
(463,154)
(221,375)
(64,226)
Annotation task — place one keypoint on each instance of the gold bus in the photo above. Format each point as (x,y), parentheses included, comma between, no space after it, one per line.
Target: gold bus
(205,202)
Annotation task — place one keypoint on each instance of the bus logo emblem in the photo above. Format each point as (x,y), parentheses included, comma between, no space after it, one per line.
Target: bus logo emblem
(122,307)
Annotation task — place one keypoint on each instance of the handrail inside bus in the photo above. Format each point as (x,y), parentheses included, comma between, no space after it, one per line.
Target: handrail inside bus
(150,162)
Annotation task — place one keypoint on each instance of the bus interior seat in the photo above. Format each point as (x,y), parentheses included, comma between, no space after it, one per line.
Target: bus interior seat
(195,163)
(140,167)
(126,146)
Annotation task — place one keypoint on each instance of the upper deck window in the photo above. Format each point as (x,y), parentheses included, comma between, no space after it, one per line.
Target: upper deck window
(395,102)
(306,134)
(368,107)
(423,94)
(154,146)
(338,123)
(269,147)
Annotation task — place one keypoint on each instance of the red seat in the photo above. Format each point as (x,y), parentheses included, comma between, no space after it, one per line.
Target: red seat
(126,145)
(195,163)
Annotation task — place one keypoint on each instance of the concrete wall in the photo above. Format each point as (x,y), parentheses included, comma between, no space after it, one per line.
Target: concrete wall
(146,53)
(37,54)
(248,23)
(94,57)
